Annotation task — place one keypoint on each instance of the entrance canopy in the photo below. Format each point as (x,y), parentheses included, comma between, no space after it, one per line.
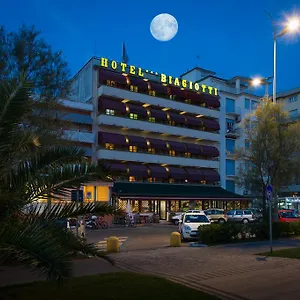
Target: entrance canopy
(167,191)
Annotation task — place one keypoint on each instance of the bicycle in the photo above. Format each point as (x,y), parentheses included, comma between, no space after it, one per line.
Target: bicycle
(96,223)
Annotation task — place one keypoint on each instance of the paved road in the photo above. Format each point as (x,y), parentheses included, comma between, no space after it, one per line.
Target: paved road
(150,236)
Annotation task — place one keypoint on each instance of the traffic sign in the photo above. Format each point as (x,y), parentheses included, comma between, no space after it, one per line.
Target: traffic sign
(269,191)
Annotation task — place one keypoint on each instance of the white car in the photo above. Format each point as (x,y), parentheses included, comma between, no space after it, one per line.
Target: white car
(188,226)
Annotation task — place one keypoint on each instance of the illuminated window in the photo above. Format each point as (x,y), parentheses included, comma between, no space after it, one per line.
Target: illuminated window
(172,123)
(172,97)
(187,154)
(133,148)
(109,146)
(133,116)
(134,88)
(131,178)
(188,101)
(203,181)
(151,179)
(151,150)
(110,112)
(110,83)
(172,152)
(171,180)
(152,93)
(152,119)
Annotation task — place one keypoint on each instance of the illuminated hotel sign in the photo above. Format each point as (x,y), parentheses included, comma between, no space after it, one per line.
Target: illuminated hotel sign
(164,79)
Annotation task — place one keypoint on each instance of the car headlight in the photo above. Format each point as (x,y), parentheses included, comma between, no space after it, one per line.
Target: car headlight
(187,227)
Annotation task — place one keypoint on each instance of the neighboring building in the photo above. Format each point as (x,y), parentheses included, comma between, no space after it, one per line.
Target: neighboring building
(171,140)
(290,101)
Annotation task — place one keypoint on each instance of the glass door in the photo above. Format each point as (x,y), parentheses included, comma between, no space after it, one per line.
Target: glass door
(163,209)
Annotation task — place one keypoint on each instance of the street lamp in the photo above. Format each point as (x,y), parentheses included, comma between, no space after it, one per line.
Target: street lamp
(292,25)
(257,81)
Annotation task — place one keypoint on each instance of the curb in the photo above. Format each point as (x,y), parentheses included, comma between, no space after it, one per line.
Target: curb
(200,287)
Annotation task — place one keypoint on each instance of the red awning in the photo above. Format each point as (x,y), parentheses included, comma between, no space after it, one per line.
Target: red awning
(140,83)
(180,119)
(113,138)
(158,114)
(137,109)
(180,147)
(210,175)
(177,173)
(158,171)
(157,144)
(158,88)
(210,124)
(137,141)
(107,103)
(113,76)
(138,171)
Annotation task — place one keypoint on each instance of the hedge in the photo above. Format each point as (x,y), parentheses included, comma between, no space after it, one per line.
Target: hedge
(235,232)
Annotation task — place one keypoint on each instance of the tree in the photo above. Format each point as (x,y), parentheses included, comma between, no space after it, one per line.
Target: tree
(272,157)
(30,171)
(25,52)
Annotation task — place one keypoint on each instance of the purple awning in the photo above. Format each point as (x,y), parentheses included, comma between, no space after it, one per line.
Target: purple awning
(194,148)
(180,147)
(194,174)
(180,119)
(211,124)
(140,83)
(113,76)
(212,101)
(137,141)
(157,144)
(138,171)
(137,109)
(177,173)
(116,167)
(158,87)
(193,96)
(112,138)
(107,103)
(210,175)
(193,121)
(173,90)
(158,171)
(210,151)
(158,114)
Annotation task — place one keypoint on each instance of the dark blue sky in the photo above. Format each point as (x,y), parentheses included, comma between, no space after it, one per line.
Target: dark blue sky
(231,37)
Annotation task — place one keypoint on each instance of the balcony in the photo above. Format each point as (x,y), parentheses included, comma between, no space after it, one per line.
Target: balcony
(79,136)
(156,101)
(234,112)
(156,159)
(156,128)
(233,132)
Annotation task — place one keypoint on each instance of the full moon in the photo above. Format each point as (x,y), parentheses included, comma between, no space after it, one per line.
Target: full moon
(164,27)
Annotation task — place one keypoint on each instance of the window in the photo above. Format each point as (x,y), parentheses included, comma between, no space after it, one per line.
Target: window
(110,83)
(293,113)
(152,119)
(151,179)
(134,88)
(203,181)
(196,219)
(187,154)
(110,112)
(133,148)
(254,104)
(229,123)
(172,123)
(171,180)
(247,103)
(152,93)
(188,101)
(239,212)
(151,150)
(247,144)
(230,144)
(109,146)
(230,105)
(230,167)
(132,178)
(293,99)
(172,152)
(230,186)
(133,116)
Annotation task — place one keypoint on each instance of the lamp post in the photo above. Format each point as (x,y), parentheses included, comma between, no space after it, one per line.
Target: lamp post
(292,25)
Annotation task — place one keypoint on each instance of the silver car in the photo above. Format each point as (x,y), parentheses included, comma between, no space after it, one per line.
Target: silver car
(241,216)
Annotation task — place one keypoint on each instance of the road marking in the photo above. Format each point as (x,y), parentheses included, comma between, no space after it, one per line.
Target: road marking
(101,245)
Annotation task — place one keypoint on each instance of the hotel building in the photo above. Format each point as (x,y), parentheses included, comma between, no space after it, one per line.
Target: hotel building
(170,141)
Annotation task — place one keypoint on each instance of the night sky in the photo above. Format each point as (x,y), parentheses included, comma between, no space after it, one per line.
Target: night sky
(231,37)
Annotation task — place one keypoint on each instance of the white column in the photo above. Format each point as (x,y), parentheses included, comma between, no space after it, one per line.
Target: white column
(238,85)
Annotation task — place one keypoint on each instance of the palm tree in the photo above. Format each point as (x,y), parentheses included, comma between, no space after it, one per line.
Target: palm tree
(31,170)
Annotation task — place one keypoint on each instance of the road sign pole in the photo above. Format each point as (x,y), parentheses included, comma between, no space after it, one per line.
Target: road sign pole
(77,220)
(270,224)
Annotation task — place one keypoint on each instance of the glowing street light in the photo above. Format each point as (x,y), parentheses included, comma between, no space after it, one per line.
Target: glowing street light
(293,24)
(256,81)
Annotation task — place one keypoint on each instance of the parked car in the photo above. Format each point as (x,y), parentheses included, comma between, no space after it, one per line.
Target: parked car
(188,226)
(177,217)
(258,213)
(288,216)
(241,216)
(216,215)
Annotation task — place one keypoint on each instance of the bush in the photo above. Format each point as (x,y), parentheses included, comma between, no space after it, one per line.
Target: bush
(233,232)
